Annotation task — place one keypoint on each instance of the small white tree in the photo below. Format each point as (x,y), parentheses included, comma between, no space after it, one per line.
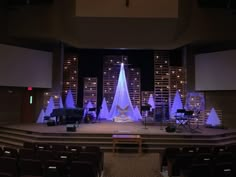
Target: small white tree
(69,100)
(60,103)
(151,101)
(41,117)
(88,106)
(137,113)
(213,119)
(177,104)
(50,107)
(104,112)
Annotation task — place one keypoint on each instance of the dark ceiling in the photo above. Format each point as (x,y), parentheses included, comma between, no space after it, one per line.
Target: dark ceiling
(28,2)
(231,4)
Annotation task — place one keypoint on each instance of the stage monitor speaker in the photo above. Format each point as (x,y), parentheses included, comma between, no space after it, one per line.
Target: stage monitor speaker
(171,128)
(51,123)
(70,128)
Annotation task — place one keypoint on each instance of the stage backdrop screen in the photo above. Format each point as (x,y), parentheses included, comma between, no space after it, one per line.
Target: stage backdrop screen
(22,67)
(215,71)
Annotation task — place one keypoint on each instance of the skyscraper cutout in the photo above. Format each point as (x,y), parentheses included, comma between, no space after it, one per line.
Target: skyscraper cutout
(177,104)
(69,100)
(213,119)
(103,113)
(122,108)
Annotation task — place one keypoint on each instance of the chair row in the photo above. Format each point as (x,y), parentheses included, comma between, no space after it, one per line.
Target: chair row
(220,169)
(55,147)
(187,160)
(52,168)
(72,154)
(27,152)
(171,152)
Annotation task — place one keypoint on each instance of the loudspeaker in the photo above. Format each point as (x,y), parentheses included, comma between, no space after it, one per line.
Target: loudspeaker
(171,128)
(70,128)
(51,123)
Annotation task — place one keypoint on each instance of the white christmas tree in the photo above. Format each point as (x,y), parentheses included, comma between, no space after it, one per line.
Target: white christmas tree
(137,113)
(122,109)
(88,106)
(69,100)
(151,102)
(213,118)
(104,113)
(50,107)
(60,103)
(177,104)
(41,117)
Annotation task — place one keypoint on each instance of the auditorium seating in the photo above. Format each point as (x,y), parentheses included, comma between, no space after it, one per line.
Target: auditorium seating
(30,167)
(50,160)
(58,147)
(10,152)
(2,174)
(9,166)
(55,168)
(25,153)
(74,148)
(200,161)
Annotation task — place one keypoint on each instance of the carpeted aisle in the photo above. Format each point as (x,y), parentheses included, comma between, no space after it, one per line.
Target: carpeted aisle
(131,165)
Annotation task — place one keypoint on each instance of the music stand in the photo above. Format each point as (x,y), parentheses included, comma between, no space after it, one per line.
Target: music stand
(90,112)
(145,108)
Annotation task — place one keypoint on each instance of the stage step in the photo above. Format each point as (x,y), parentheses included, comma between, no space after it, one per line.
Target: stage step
(150,142)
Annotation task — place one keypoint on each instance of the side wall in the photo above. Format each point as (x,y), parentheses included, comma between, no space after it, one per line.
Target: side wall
(221,100)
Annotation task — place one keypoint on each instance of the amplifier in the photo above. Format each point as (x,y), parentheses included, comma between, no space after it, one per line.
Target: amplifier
(51,123)
(70,128)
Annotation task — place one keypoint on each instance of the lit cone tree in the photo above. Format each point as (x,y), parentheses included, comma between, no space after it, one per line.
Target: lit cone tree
(103,113)
(213,119)
(40,119)
(137,113)
(69,100)
(50,107)
(177,104)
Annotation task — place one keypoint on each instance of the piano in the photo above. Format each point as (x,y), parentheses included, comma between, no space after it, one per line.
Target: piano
(68,115)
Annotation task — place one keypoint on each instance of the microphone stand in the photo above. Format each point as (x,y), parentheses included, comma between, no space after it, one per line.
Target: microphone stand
(146,109)
(145,121)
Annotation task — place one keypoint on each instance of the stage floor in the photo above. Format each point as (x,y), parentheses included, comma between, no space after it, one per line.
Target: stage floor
(110,127)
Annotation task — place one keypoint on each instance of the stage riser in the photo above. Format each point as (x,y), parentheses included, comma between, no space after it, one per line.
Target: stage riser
(152,144)
(86,139)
